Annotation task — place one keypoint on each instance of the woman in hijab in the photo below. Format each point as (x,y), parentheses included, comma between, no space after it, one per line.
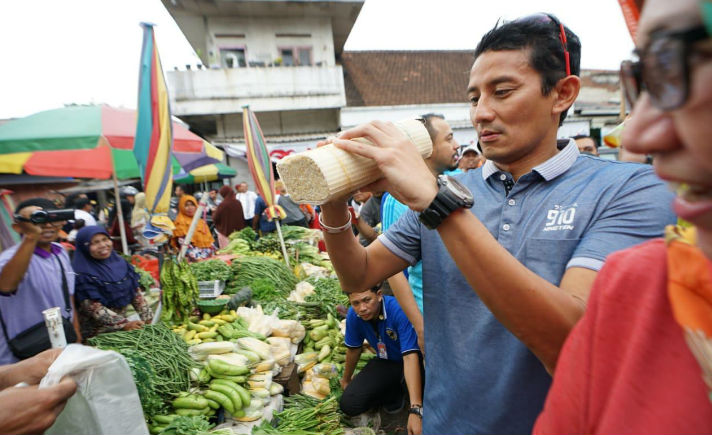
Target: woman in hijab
(139,219)
(202,243)
(106,285)
(228,217)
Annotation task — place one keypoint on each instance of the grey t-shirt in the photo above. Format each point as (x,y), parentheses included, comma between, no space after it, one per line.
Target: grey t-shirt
(572,210)
(371,214)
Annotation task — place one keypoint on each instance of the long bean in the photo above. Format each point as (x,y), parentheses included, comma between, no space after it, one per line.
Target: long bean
(163,350)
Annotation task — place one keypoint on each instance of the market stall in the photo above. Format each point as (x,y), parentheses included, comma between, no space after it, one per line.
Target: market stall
(245,344)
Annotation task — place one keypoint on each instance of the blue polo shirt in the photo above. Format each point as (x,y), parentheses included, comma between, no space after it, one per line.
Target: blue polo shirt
(395,331)
(570,211)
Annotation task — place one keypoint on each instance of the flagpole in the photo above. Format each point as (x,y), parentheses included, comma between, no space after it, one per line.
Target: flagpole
(281,240)
(119,209)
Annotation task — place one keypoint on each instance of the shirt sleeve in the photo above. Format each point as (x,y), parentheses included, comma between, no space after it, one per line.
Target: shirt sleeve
(407,338)
(403,238)
(260,206)
(353,337)
(638,211)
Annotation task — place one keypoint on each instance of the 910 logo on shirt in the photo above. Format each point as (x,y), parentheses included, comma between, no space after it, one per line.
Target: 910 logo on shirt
(560,218)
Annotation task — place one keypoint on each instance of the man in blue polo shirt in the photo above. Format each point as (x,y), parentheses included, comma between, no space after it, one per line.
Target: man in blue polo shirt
(379,320)
(503,282)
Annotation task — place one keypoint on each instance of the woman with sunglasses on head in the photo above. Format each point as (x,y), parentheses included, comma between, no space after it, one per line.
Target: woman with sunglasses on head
(640,359)
(106,285)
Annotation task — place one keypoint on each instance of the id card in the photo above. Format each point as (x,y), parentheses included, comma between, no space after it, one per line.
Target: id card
(382,350)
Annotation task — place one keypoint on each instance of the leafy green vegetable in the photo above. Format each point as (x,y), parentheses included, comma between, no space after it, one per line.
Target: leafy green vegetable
(328,293)
(145,279)
(263,289)
(188,425)
(211,270)
(144,377)
(180,290)
(247,234)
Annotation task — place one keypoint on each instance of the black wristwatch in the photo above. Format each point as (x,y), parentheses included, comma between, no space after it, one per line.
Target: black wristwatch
(452,195)
(417,410)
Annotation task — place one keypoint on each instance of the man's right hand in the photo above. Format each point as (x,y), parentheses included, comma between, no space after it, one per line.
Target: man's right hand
(345,383)
(29,229)
(29,410)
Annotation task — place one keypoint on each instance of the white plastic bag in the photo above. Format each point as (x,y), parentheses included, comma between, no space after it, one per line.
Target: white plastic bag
(106,401)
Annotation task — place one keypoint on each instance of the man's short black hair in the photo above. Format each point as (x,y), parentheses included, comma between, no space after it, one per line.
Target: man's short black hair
(428,122)
(540,34)
(44,203)
(81,203)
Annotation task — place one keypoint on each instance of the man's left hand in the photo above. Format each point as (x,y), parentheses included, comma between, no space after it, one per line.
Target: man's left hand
(415,425)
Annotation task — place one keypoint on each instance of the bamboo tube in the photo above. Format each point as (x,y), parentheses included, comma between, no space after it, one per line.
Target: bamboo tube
(325,173)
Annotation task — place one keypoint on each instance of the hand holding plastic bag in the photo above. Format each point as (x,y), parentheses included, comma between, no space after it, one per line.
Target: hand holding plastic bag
(106,402)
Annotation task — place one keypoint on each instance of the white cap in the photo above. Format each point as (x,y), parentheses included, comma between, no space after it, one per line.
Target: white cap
(470,148)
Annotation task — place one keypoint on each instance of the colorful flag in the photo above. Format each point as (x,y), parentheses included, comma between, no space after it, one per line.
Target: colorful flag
(260,164)
(154,134)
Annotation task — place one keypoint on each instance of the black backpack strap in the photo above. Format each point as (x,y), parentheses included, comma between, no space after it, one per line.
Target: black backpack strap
(65,287)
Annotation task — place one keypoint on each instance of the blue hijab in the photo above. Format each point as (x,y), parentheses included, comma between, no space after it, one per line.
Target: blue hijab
(111,282)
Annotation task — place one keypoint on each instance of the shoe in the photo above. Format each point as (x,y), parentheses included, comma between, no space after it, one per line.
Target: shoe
(395,408)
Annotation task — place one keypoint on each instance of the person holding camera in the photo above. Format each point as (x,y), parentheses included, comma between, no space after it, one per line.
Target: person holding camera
(35,275)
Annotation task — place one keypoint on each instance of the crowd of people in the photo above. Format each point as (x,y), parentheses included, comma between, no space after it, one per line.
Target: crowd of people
(532,288)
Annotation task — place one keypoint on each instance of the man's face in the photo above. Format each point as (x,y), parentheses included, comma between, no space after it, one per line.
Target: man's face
(242,187)
(213,194)
(586,145)
(470,160)
(444,156)
(178,191)
(366,304)
(512,117)
(50,230)
(679,140)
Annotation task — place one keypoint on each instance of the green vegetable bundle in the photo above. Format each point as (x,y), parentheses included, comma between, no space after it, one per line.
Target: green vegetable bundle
(328,293)
(247,234)
(247,270)
(144,378)
(304,415)
(180,290)
(211,270)
(236,246)
(165,352)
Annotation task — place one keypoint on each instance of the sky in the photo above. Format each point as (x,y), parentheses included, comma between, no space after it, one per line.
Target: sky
(87,51)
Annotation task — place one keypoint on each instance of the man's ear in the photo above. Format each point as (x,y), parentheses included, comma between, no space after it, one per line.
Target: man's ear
(566,92)
(17,228)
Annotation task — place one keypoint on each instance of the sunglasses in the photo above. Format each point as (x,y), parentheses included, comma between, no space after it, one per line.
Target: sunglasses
(662,68)
(548,18)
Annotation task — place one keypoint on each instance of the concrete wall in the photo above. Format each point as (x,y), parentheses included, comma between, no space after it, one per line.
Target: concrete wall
(214,91)
(261,42)
(280,123)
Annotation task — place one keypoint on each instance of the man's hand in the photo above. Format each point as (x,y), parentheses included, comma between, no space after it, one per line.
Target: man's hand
(135,324)
(345,383)
(406,176)
(415,425)
(29,410)
(31,370)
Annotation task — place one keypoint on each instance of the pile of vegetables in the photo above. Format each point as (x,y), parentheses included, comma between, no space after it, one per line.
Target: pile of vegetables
(304,415)
(167,372)
(180,290)
(324,338)
(145,279)
(222,327)
(246,270)
(327,293)
(236,246)
(211,270)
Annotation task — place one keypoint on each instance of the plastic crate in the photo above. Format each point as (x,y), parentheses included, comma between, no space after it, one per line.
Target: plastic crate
(210,289)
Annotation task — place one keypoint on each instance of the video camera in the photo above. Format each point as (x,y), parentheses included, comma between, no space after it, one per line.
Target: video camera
(44,216)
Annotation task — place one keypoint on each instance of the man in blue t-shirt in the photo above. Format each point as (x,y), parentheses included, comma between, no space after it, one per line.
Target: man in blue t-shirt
(379,320)
(505,281)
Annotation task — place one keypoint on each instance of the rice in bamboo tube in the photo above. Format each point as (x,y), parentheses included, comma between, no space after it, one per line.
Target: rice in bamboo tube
(325,173)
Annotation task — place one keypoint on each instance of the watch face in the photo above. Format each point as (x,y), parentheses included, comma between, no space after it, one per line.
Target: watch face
(458,189)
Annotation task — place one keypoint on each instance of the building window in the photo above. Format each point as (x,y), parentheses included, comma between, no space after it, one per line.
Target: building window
(232,58)
(296,56)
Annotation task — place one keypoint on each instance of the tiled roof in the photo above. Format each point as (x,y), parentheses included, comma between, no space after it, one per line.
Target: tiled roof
(389,78)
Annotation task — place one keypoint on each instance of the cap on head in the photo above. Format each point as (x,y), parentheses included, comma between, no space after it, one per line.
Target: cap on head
(470,148)
(129,191)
